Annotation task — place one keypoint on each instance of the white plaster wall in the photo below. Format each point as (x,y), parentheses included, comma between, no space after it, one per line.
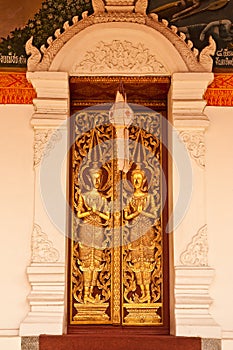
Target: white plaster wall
(219,182)
(16,210)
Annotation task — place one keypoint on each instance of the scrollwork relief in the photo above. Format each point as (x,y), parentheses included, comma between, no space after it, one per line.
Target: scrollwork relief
(119,56)
(128,279)
(194,141)
(42,247)
(196,253)
(44,141)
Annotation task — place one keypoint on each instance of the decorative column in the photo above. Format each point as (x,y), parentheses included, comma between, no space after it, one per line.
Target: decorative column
(46,272)
(193,275)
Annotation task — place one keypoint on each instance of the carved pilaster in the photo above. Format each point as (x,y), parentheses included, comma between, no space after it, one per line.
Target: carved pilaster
(190,124)
(193,276)
(46,273)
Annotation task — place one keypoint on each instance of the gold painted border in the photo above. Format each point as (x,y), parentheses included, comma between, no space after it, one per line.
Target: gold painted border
(96,79)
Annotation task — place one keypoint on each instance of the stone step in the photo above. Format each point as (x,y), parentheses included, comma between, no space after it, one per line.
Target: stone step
(117,340)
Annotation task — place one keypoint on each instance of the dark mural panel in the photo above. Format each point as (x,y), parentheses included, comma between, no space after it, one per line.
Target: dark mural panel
(15,14)
(50,16)
(198,19)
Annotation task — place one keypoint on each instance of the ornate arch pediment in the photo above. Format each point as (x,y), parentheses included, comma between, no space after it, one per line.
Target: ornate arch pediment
(78,48)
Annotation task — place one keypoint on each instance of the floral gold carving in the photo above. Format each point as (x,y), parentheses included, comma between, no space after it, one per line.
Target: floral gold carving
(91,257)
(121,56)
(90,313)
(196,253)
(44,141)
(143,314)
(42,247)
(195,144)
(117,244)
(116,270)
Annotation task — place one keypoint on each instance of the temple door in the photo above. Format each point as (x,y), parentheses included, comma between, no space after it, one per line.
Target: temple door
(118,245)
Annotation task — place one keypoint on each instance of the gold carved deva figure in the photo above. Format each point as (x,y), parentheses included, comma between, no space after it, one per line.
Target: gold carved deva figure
(140,216)
(94,215)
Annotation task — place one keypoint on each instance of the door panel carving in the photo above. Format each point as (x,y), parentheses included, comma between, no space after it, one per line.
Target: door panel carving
(117,242)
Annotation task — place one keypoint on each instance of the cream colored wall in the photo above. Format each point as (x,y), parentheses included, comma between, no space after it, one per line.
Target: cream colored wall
(16,210)
(219,187)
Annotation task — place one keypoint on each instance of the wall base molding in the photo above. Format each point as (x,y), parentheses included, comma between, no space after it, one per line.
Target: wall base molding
(193,301)
(46,300)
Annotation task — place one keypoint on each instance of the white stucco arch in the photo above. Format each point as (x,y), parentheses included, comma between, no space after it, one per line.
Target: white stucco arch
(49,71)
(88,40)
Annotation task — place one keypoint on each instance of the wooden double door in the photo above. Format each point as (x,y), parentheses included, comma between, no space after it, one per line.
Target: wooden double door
(118,247)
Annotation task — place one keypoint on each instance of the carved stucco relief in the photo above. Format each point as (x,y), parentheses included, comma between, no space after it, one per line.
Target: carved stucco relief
(196,252)
(42,247)
(119,56)
(195,144)
(44,141)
